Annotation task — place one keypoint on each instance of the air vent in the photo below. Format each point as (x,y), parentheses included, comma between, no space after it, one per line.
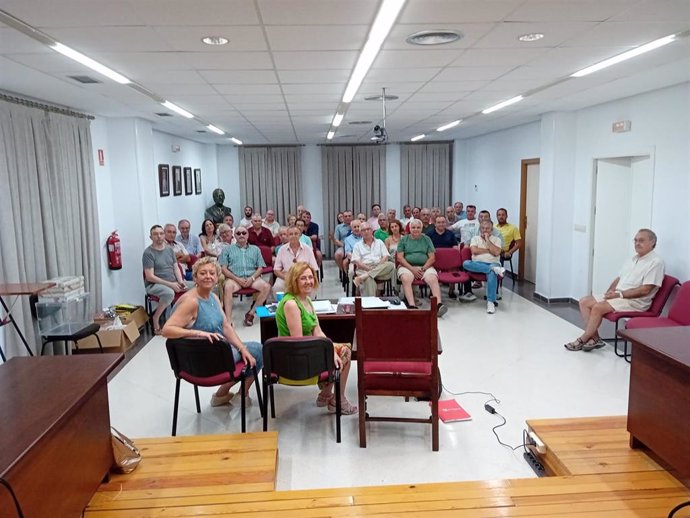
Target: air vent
(389,97)
(345,136)
(359,123)
(86,80)
(164,114)
(201,131)
(440,37)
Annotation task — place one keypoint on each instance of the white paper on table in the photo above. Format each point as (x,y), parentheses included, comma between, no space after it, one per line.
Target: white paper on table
(323,306)
(374,303)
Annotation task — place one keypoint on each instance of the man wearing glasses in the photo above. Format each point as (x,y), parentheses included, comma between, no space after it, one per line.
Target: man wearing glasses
(370,261)
(241,264)
(291,252)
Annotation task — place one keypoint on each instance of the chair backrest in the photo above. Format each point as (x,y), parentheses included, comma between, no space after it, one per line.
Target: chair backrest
(447,259)
(663,294)
(267,255)
(680,310)
(199,357)
(385,335)
(466,254)
(298,358)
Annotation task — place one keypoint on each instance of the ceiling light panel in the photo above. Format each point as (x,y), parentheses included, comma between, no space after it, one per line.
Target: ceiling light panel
(90,63)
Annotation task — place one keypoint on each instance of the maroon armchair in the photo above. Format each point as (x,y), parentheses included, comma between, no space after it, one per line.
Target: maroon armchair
(654,311)
(397,355)
(448,265)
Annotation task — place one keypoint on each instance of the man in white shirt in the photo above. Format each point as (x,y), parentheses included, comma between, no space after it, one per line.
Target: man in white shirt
(407,216)
(633,290)
(370,261)
(290,253)
(486,252)
(270,222)
(181,254)
(466,229)
(246,221)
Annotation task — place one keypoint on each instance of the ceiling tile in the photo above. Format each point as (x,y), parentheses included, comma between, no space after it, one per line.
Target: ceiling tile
(656,11)
(415,58)
(71,13)
(567,10)
(310,88)
(89,40)
(250,88)
(317,12)
(210,12)
(471,73)
(456,11)
(315,60)
(316,37)
(188,38)
(15,42)
(227,60)
(239,76)
(453,86)
(497,57)
(505,35)
(401,75)
(625,33)
(313,76)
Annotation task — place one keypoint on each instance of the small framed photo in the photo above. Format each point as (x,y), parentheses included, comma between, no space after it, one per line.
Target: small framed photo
(177,180)
(197,181)
(188,182)
(164,179)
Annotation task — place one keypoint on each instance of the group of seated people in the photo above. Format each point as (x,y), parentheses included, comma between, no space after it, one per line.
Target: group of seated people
(243,254)
(368,248)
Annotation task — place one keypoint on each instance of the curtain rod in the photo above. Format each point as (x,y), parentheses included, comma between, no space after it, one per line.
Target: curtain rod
(387,143)
(271,145)
(44,107)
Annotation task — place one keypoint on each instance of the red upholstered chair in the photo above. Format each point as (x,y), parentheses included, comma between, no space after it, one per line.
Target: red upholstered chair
(448,263)
(654,311)
(397,355)
(207,364)
(267,256)
(678,315)
(299,361)
(149,300)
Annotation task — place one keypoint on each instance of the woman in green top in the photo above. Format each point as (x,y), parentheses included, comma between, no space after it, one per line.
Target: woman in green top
(295,316)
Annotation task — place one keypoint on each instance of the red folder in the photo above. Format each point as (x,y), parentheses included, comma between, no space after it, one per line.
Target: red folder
(450,411)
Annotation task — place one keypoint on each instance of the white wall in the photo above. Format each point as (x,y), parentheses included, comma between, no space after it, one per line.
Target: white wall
(227,160)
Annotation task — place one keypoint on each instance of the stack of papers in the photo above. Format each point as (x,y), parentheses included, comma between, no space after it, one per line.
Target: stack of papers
(367,302)
(323,306)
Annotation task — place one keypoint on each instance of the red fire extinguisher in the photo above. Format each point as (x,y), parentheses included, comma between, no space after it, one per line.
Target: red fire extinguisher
(114,252)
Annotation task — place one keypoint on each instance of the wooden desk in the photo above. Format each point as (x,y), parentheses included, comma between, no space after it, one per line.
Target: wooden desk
(339,328)
(15,290)
(659,400)
(55,432)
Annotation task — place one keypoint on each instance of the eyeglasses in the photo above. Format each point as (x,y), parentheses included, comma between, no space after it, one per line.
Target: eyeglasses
(240,233)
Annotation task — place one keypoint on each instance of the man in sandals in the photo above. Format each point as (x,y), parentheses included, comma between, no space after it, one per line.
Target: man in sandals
(634,290)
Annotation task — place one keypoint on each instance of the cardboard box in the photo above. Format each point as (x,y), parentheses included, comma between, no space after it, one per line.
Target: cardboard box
(138,316)
(113,340)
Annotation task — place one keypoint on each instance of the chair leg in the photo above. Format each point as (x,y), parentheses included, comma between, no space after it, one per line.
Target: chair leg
(43,347)
(273,402)
(100,345)
(362,400)
(177,400)
(434,423)
(615,342)
(244,404)
(264,413)
(258,391)
(196,397)
(337,409)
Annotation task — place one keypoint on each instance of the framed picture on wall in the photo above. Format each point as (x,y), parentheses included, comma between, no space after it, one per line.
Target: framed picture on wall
(177,180)
(164,179)
(197,181)
(188,183)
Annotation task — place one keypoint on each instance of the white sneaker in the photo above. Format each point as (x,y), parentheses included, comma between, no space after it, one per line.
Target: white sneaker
(498,270)
(490,308)
(467,297)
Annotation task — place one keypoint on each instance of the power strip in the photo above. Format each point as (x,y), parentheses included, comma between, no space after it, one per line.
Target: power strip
(536,466)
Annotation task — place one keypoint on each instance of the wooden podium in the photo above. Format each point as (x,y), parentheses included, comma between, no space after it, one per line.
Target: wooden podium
(54,432)
(659,401)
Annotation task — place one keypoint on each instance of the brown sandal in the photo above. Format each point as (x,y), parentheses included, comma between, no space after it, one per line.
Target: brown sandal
(248,319)
(575,345)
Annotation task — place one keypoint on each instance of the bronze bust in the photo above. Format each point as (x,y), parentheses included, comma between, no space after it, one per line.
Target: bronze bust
(217,211)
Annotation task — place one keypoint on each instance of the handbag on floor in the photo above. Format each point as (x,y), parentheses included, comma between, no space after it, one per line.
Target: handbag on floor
(126,456)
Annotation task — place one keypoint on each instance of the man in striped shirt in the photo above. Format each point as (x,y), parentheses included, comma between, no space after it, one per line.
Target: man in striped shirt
(241,264)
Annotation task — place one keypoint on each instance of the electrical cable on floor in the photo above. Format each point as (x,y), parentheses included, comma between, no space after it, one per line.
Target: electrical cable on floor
(492,411)
(678,508)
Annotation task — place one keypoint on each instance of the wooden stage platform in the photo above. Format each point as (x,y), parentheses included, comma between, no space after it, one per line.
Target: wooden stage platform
(595,474)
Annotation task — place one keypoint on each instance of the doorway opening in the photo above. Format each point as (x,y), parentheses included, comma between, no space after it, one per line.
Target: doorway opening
(529,220)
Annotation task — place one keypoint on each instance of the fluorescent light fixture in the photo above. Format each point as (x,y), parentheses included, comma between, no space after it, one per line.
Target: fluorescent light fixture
(177,109)
(418,137)
(337,119)
(532,36)
(626,55)
(236,141)
(503,104)
(215,130)
(330,135)
(449,125)
(87,61)
(379,30)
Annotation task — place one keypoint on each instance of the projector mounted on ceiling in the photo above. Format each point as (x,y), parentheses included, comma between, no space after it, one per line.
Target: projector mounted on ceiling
(380,134)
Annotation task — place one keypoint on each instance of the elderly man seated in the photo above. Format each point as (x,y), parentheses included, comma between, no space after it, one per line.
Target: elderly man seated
(181,254)
(290,253)
(260,235)
(270,222)
(370,262)
(350,242)
(486,253)
(241,264)
(226,236)
(633,290)
(416,255)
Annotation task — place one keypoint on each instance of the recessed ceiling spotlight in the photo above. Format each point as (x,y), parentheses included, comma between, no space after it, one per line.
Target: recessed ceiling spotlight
(215,40)
(437,37)
(388,97)
(531,36)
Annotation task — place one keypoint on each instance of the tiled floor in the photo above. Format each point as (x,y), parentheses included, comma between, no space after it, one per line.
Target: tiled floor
(516,354)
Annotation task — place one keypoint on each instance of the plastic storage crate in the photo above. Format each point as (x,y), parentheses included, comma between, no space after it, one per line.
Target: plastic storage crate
(65,317)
